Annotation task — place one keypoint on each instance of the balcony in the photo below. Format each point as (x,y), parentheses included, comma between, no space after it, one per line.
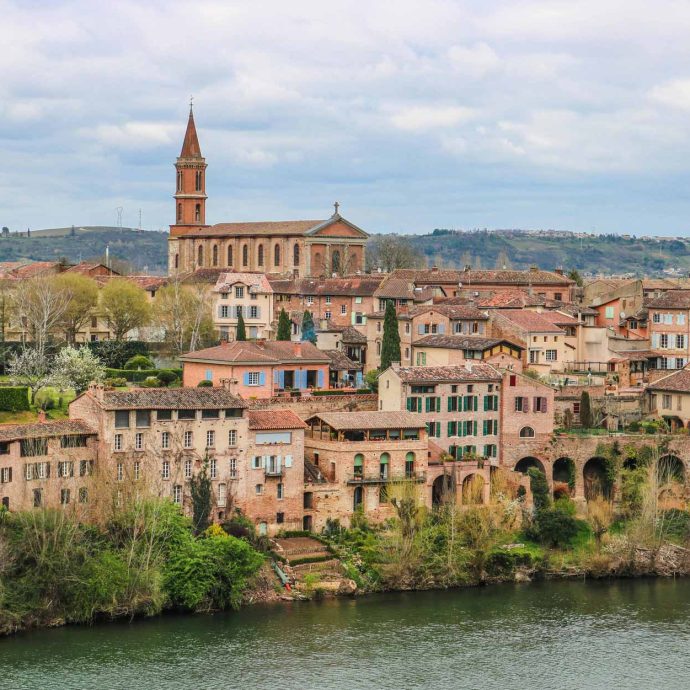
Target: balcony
(416,477)
(274,472)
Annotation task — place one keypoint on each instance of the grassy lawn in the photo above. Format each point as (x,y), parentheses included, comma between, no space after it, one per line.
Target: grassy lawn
(55,400)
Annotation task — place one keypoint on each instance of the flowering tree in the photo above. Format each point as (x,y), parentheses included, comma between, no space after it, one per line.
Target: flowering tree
(76,368)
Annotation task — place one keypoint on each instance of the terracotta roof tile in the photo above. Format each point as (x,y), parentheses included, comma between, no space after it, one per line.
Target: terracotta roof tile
(274,419)
(355,421)
(61,427)
(463,342)
(171,398)
(673,299)
(529,321)
(473,372)
(471,277)
(340,361)
(357,286)
(256,280)
(269,351)
(678,381)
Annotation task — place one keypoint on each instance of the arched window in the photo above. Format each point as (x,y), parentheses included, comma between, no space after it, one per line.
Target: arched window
(335,262)
(359,465)
(200,255)
(260,256)
(177,260)
(409,465)
(317,263)
(229,255)
(276,255)
(197,213)
(383,465)
(295,255)
(179,180)
(198,180)
(179,213)
(245,255)
(527,432)
(215,254)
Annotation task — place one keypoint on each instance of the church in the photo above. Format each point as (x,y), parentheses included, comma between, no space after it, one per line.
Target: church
(289,248)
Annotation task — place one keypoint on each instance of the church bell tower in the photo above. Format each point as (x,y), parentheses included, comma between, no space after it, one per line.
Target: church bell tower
(190,190)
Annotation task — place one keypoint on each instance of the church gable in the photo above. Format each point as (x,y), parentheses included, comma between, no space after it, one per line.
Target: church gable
(337,227)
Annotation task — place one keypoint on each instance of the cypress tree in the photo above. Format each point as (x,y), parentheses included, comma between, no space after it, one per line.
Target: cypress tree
(241,330)
(283,326)
(586,419)
(201,491)
(308,331)
(390,346)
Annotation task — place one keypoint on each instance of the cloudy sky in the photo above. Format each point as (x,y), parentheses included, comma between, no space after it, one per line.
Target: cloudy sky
(413,114)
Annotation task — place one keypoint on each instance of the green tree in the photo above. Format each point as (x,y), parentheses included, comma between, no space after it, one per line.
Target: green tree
(125,306)
(586,417)
(283,326)
(574,274)
(390,346)
(200,489)
(308,330)
(540,489)
(241,332)
(82,294)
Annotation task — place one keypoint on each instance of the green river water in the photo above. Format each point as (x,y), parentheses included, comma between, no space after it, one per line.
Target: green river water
(560,635)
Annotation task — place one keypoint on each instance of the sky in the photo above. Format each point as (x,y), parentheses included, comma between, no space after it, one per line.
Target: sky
(414,115)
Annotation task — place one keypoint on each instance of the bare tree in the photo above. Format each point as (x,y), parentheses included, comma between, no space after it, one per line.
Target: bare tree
(389,252)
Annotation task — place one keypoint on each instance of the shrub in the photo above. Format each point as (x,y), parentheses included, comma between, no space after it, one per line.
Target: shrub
(151,382)
(14,398)
(676,524)
(139,362)
(205,384)
(540,489)
(116,382)
(167,376)
(565,505)
(555,528)
(634,426)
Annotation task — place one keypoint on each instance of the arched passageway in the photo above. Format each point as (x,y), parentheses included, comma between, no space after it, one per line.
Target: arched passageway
(594,477)
(473,489)
(524,464)
(443,490)
(670,468)
(564,473)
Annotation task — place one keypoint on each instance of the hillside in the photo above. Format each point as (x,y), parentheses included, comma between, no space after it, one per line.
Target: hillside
(595,254)
(589,254)
(145,250)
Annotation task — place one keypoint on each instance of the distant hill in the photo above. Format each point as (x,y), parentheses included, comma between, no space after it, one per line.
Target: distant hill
(144,250)
(609,254)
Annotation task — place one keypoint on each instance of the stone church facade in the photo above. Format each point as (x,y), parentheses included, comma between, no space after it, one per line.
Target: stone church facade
(302,248)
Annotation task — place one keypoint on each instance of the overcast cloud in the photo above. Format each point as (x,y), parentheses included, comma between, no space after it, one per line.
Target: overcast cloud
(412,114)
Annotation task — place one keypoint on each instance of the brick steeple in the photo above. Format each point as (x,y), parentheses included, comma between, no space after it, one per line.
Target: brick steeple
(190,191)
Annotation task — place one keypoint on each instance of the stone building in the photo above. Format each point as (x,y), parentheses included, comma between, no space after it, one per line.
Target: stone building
(249,294)
(47,464)
(445,350)
(289,248)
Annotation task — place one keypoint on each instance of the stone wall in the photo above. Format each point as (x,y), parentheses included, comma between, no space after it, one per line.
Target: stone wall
(307,406)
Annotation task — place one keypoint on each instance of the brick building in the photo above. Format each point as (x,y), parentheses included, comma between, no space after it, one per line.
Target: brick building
(249,294)
(444,350)
(298,247)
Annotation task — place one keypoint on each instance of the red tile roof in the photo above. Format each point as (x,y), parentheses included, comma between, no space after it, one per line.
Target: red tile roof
(269,351)
(678,381)
(471,277)
(274,420)
(61,427)
(471,372)
(673,299)
(357,286)
(529,321)
(190,145)
(357,421)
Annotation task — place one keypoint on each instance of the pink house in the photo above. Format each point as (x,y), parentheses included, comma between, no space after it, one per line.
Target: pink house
(258,369)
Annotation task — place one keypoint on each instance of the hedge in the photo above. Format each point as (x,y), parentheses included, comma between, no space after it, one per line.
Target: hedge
(115,353)
(14,398)
(310,559)
(137,375)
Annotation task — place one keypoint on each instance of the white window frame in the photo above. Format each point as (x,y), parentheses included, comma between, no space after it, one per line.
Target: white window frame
(239,292)
(187,469)
(117,442)
(233,468)
(120,469)
(165,470)
(232,437)
(177,494)
(138,441)
(210,438)
(213,468)
(165,440)
(188,439)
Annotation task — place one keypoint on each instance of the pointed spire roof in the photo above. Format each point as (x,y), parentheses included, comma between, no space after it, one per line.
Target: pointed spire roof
(190,145)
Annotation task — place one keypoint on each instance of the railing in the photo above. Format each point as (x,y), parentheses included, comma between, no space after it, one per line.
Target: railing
(274,472)
(384,479)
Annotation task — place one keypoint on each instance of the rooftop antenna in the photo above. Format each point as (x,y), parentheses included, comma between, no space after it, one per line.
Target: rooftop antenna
(119,211)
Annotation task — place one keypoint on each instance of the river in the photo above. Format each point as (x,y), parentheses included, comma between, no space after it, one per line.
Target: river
(555,635)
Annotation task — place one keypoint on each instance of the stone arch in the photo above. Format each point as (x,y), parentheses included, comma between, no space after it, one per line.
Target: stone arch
(563,473)
(526,432)
(473,489)
(670,468)
(443,490)
(523,464)
(594,478)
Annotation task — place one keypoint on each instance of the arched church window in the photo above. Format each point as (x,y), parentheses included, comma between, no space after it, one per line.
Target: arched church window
(179,213)
(335,262)
(260,255)
(177,260)
(229,255)
(245,255)
(200,255)
(295,255)
(197,213)
(215,254)
(198,181)
(179,180)
(276,255)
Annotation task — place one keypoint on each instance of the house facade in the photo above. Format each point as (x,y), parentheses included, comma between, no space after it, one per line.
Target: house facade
(248,294)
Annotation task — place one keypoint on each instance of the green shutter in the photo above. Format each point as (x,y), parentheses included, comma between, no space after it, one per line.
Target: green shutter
(438,404)
(486,403)
(450,404)
(475,402)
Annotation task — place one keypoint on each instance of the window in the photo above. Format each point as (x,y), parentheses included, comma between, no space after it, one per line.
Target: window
(177,494)
(534,356)
(213,468)
(279,490)
(558,296)
(280,518)
(163,415)
(197,181)
(656,318)
(33,447)
(409,465)
(680,342)
(512,381)
(210,413)
(210,439)
(179,180)
(666,402)
(224,311)
(187,469)
(680,362)
(117,444)
(120,471)
(5,475)
(527,432)
(327,315)
(215,255)
(85,468)
(521,404)
(421,359)
(122,419)
(165,440)
(222,495)
(253,378)
(260,255)
(328,299)
(179,213)
(539,404)
(197,213)
(295,255)
(233,468)
(165,470)
(384,461)
(239,292)
(245,255)
(232,437)
(253,312)
(65,469)
(276,255)
(359,466)
(668,318)
(137,470)
(343,309)
(258,489)
(38,498)
(64,497)
(310,300)
(551,355)
(680,319)
(663,341)
(200,256)
(187,439)
(139,441)
(229,255)
(83,495)
(609,312)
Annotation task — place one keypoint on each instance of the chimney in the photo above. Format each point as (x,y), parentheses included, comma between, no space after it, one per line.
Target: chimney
(559,270)
(297,348)
(42,416)
(533,268)
(261,343)
(96,389)
(434,269)
(229,385)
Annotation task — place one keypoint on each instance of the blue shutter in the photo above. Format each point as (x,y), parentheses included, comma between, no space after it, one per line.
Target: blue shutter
(209,375)
(303,375)
(442,328)
(320,378)
(359,379)
(245,378)
(281,378)
(420,329)
(262,378)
